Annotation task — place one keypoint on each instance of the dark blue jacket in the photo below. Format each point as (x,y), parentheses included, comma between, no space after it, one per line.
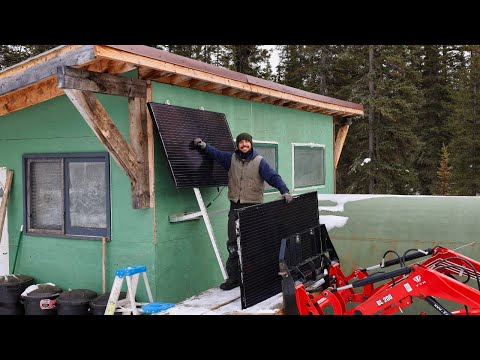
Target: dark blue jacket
(267,173)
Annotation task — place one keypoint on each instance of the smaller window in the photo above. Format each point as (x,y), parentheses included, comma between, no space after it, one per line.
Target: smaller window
(269,151)
(308,165)
(67,194)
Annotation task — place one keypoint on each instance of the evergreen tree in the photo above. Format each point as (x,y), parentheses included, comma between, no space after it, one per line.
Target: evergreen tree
(465,142)
(291,70)
(433,115)
(385,82)
(13,54)
(444,173)
(252,60)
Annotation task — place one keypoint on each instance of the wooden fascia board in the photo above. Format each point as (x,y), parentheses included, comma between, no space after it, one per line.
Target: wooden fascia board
(104,128)
(79,79)
(41,70)
(36,93)
(102,51)
(339,141)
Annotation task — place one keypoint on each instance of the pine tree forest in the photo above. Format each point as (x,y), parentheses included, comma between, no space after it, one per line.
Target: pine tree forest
(419,134)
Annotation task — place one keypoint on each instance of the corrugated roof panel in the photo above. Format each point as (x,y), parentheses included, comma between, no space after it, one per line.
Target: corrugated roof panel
(178,126)
(261,229)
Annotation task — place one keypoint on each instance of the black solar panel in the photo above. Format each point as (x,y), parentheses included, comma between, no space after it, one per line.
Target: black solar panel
(261,229)
(178,126)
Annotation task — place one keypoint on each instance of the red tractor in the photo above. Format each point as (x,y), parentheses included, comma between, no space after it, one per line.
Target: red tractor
(314,284)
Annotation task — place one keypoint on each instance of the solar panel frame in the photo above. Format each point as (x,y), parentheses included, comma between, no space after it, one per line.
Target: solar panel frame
(260,230)
(177,127)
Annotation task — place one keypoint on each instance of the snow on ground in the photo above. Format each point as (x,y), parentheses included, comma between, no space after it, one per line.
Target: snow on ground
(219,302)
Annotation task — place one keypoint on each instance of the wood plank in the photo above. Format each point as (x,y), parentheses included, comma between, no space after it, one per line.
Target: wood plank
(151,149)
(102,51)
(46,69)
(31,95)
(151,164)
(137,114)
(210,87)
(79,79)
(3,206)
(104,128)
(178,79)
(230,91)
(109,66)
(339,141)
(35,60)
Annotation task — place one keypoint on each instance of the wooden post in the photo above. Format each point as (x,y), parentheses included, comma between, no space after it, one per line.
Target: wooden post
(3,205)
(104,257)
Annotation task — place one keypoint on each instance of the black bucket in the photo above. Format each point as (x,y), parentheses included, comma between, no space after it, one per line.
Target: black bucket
(11,288)
(99,304)
(42,301)
(75,302)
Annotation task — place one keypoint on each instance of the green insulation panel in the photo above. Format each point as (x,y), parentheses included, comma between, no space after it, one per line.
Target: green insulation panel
(364,227)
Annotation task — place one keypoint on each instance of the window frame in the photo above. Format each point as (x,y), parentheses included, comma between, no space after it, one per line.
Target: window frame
(308,146)
(67,230)
(265,143)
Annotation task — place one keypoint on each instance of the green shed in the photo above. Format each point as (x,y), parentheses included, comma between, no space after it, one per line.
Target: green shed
(91,189)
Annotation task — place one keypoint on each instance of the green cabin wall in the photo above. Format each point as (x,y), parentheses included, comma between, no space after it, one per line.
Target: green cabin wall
(179,256)
(55,126)
(185,259)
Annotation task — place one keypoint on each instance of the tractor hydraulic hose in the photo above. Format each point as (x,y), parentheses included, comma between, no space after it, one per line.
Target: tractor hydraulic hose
(381,276)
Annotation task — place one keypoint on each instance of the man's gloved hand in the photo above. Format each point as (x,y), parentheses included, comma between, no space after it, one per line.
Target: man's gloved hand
(197,142)
(287,197)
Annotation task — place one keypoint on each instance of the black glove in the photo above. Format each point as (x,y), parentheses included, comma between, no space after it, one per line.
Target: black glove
(197,142)
(287,197)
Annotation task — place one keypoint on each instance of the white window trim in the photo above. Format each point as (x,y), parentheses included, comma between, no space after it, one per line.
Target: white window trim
(293,166)
(273,143)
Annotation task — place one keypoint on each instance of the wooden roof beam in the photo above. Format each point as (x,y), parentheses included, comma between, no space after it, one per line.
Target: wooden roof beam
(79,79)
(44,70)
(103,51)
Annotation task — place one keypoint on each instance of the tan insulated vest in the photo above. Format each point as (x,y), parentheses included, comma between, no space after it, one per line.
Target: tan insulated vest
(244,180)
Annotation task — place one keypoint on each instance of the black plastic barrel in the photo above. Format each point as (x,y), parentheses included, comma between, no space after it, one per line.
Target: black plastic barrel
(11,288)
(99,304)
(75,302)
(42,301)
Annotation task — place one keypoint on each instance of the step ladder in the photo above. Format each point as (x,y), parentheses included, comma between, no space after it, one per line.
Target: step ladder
(128,305)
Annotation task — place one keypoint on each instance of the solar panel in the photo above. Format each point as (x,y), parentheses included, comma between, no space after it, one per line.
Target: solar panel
(261,229)
(178,126)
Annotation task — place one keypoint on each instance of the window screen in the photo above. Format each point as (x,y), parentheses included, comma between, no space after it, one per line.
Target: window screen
(67,195)
(269,152)
(46,194)
(309,166)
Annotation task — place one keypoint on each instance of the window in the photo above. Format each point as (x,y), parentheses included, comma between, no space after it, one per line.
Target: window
(67,194)
(308,165)
(269,150)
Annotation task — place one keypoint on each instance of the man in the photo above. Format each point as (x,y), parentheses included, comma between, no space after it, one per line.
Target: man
(247,173)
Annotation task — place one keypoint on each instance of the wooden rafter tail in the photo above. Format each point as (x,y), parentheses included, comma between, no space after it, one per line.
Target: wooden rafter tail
(107,52)
(4,203)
